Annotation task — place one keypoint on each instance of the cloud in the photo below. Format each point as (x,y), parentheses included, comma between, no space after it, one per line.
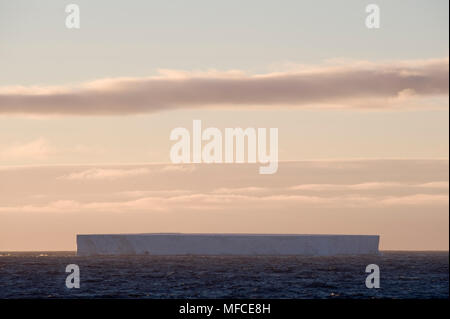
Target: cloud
(153,193)
(417,199)
(228,202)
(299,186)
(105,174)
(240,190)
(358,85)
(443,184)
(38,149)
(368,186)
(95,174)
(178,169)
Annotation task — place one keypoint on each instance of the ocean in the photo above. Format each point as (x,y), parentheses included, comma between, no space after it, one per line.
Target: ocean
(402,275)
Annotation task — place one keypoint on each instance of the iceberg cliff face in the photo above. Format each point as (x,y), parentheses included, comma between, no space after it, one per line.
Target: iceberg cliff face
(226,244)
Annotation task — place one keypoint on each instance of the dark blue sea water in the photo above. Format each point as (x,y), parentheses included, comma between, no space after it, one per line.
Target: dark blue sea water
(403,275)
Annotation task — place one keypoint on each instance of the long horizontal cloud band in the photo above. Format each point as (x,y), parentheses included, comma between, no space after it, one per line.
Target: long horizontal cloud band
(345,84)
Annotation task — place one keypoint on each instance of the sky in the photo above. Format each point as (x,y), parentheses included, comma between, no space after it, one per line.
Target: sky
(86,114)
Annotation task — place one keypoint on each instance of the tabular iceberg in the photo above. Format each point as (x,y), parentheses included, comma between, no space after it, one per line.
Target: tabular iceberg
(226,244)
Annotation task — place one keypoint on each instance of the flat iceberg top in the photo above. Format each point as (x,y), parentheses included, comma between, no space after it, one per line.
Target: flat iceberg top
(226,234)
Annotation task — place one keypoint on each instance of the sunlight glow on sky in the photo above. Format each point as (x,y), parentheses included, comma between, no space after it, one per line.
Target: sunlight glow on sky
(368,95)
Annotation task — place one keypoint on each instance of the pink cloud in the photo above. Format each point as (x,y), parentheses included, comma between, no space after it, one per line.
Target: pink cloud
(38,149)
(403,84)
